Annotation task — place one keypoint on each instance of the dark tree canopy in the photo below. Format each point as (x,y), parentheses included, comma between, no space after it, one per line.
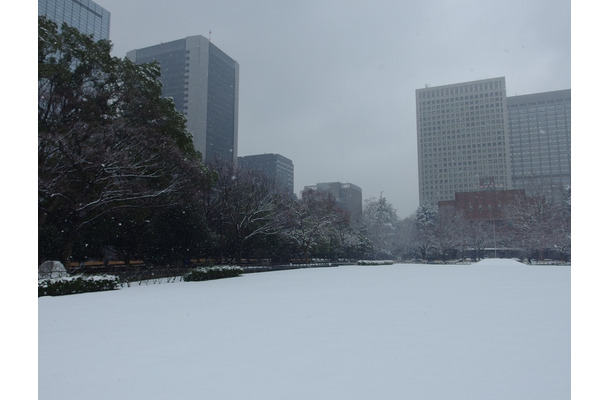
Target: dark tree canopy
(107,139)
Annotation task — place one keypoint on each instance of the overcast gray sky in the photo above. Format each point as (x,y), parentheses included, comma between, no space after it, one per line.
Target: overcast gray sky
(331,84)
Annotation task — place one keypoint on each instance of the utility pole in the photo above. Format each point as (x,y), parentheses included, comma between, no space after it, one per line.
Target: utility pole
(493,225)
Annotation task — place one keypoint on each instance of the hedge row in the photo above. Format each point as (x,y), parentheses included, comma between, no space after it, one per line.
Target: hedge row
(77,284)
(375,262)
(82,284)
(216,272)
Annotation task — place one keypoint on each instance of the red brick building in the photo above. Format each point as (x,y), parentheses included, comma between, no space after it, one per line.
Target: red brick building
(484,204)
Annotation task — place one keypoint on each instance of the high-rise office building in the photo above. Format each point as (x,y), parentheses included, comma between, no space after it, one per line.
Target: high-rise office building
(347,195)
(462,139)
(203,81)
(275,167)
(540,139)
(85,15)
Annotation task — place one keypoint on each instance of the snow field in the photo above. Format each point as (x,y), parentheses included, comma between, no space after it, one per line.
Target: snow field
(493,330)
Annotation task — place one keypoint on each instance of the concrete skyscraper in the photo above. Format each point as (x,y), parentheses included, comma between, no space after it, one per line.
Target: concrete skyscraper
(203,81)
(472,137)
(85,15)
(462,139)
(540,139)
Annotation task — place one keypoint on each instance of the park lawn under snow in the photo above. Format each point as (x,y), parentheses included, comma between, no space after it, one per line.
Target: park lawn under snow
(492,330)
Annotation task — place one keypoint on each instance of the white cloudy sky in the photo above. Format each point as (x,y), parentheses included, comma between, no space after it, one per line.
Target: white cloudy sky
(331,84)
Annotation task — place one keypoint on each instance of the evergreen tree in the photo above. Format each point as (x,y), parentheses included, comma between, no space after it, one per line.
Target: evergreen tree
(425,224)
(381,222)
(107,140)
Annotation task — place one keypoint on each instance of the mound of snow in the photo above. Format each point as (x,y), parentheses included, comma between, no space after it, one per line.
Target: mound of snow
(52,269)
(497,262)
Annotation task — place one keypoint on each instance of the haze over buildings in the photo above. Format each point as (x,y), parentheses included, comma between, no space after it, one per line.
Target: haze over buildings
(471,137)
(308,91)
(331,85)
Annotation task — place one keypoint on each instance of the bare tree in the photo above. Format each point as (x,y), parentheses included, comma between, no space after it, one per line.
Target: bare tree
(246,205)
(478,236)
(539,222)
(311,220)
(448,232)
(351,240)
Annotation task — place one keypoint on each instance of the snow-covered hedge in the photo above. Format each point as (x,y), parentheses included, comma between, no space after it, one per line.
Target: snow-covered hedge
(375,262)
(215,272)
(77,284)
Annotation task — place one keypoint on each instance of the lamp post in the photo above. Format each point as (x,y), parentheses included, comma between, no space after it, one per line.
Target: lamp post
(493,225)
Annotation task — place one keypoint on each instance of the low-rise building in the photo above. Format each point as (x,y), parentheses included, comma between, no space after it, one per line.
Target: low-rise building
(484,204)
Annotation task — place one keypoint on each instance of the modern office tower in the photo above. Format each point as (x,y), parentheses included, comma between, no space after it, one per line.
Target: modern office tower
(462,139)
(275,167)
(539,128)
(204,84)
(347,195)
(85,15)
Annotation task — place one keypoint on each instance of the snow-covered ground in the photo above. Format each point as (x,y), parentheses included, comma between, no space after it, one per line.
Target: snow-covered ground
(492,330)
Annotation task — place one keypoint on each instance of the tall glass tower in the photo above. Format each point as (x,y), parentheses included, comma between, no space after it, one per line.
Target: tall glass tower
(540,136)
(203,81)
(85,15)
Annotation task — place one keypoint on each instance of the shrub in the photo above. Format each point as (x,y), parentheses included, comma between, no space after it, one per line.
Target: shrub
(216,272)
(77,284)
(375,262)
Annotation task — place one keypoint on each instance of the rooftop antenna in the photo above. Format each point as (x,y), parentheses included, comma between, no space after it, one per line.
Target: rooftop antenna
(210,35)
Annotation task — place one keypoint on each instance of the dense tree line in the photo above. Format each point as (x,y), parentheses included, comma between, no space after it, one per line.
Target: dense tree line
(118,177)
(535,227)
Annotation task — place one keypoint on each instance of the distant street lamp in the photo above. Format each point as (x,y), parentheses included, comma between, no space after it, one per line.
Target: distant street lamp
(493,225)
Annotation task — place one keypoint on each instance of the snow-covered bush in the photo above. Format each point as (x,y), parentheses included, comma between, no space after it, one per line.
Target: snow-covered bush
(77,284)
(215,272)
(375,262)
(52,269)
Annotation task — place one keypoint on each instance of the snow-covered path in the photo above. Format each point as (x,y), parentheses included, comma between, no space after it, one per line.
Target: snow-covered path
(493,330)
